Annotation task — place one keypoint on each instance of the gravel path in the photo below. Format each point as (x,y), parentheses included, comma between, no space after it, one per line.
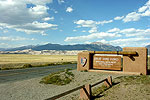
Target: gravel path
(31,89)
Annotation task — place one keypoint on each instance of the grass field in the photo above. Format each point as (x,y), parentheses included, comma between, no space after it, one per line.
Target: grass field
(18,60)
(23,58)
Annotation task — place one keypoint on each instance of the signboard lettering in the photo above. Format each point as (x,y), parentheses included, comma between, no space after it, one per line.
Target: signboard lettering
(107,62)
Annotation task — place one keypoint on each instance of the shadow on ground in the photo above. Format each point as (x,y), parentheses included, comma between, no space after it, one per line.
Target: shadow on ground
(100,94)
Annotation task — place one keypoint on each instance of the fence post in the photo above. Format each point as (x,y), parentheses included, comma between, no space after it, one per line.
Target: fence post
(85,93)
(108,82)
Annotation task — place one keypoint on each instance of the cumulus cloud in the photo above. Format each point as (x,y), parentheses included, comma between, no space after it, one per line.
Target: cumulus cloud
(93,30)
(103,41)
(23,18)
(86,23)
(138,41)
(146,13)
(118,17)
(135,16)
(92,36)
(48,18)
(69,9)
(116,36)
(14,38)
(74,30)
(114,30)
(129,32)
(142,9)
(83,31)
(91,24)
(105,22)
(136,32)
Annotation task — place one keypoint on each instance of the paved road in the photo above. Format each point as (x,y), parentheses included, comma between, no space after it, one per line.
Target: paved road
(22,74)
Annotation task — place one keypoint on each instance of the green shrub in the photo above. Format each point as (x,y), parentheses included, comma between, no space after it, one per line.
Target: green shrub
(27,66)
(59,78)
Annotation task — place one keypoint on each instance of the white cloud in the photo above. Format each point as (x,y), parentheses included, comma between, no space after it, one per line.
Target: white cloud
(91,24)
(138,41)
(69,9)
(92,36)
(14,39)
(34,27)
(83,31)
(3,44)
(118,17)
(114,30)
(93,30)
(86,23)
(74,30)
(5,31)
(55,12)
(103,41)
(136,32)
(124,37)
(142,9)
(48,18)
(87,42)
(38,10)
(146,13)
(129,32)
(105,22)
(22,18)
(61,1)
(127,42)
(135,16)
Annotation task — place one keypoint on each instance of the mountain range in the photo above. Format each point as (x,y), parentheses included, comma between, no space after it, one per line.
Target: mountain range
(95,46)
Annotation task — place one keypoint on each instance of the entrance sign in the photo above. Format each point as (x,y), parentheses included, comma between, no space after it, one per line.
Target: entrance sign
(107,62)
(134,61)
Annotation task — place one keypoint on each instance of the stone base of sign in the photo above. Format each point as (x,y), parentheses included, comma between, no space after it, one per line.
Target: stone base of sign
(85,93)
(115,72)
(136,63)
(88,62)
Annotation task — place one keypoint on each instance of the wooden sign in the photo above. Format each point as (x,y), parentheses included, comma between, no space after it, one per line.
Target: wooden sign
(107,62)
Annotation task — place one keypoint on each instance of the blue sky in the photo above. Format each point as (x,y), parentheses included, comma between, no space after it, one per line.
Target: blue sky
(124,23)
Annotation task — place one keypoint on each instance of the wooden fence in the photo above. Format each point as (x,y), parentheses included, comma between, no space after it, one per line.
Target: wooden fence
(85,90)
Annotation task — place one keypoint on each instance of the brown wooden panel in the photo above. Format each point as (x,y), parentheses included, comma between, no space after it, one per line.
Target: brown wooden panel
(107,62)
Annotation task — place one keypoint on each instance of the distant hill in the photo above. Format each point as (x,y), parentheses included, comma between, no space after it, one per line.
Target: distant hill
(148,47)
(95,46)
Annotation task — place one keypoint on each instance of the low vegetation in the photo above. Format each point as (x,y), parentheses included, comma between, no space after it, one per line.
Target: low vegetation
(17,61)
(22,66)
(59,78)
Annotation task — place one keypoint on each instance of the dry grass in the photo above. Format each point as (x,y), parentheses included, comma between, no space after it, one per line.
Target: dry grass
(24,58)
(19,60)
